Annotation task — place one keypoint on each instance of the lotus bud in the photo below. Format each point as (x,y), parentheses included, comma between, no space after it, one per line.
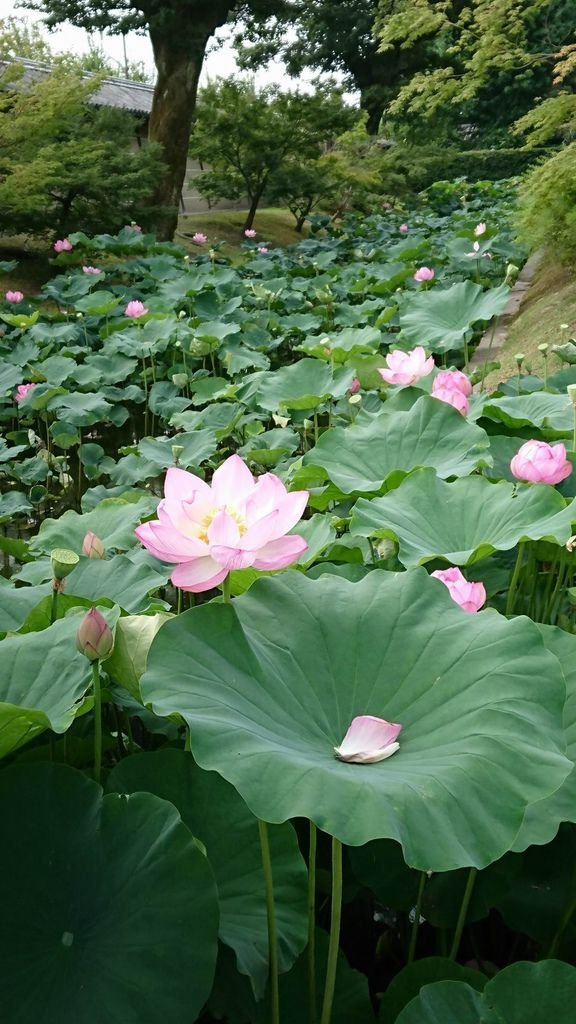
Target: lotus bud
(79,316)
(63,561)
(180,380)
(571,389)
(386,549)
(308,424)
(570,545)
(182,314)
(92,546)
(94,638)
(177,450)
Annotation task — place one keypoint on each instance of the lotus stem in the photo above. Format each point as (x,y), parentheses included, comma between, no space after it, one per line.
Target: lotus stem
(226,596)
(54,603)
(271,917)
(97,719)
(463,911)
(514,581)
(312,924)
(417,913)
(574,429)
(335,917)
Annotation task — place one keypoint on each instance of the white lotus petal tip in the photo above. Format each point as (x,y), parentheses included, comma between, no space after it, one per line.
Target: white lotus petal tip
(368,740)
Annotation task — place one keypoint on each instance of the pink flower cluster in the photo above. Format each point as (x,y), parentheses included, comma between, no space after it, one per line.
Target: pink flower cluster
(22,390)
(91,270)
(135,308)
(453,387)
(62,245)
(14,297)
(540,463)
(236,522)
(407,368)
(470,596)
(250,233)
(263,248)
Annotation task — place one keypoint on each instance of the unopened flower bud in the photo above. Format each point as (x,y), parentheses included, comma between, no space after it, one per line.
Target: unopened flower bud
(180,380)
(386,549)
(92,546)
(63,562)
(177,450)
(182,314)
(94,638)
(571,544)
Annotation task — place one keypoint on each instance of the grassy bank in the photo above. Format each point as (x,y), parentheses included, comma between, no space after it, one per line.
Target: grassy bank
(274,226)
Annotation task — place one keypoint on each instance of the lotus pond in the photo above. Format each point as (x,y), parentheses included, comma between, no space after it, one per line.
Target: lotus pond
(287,616)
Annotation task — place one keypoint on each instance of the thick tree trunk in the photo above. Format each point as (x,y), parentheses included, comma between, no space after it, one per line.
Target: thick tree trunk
(179,46)
(254,203)
(373,102)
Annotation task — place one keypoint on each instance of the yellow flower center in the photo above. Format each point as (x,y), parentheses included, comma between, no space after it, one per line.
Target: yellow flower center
(200,529)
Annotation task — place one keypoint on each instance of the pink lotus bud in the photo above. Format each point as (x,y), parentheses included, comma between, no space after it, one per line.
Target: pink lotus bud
(540,463)
(480,229)
(133,226)
(470,596)
(355,386)
(199,238)
(452,397)
(250,233)
(135,308)
(94,638)
(453,379)
(22,390)
(62,245)
(368,740)
(92,546)
(406,367)
(424,274)
(14,297)
(403,229)
(91,270)
(263,249)
(386,205)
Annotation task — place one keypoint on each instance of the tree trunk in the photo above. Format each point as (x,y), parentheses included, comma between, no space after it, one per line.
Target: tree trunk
(373,102)
(254,203)
(179,45)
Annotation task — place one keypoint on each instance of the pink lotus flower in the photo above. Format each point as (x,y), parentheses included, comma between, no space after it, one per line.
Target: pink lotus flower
(475,250)
(452,397)
(92,546)
(424,274)
(62,245)
(403,229)
(541,463)
(14,297)
(237,522)
(480,229)
(355,386)
(250,233)
(91,270)
(133,226)
(407,367)
(22,390)
(263,248)
(368,740)
(199,238)
(386,205)
(135,308)
(470,596)
(454,379)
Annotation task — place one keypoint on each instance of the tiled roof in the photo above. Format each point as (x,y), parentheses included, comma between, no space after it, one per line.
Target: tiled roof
(114,92)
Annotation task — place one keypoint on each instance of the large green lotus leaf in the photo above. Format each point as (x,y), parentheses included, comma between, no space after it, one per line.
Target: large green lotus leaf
(464,521)
(524,993)
(540,409)
(364,456)
(41,672)
(118,579)
(442,319)
(543,818)
(302,385)
(113,521)
(16,603)
(132,640)
(269,686)
(344,344)
(407,984)
(219,818)
(109,907)
(197,446)
(82,410)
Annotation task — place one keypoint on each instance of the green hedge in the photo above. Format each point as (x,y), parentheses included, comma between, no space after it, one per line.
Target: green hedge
(419,169)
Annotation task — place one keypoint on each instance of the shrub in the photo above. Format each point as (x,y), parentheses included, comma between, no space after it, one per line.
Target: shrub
(410,170)
(548,205)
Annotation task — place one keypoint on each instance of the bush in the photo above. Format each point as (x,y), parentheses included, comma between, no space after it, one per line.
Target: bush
(409,170)
(548,205)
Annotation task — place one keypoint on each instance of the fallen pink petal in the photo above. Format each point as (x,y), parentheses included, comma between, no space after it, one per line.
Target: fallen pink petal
(368,740)
(470,596)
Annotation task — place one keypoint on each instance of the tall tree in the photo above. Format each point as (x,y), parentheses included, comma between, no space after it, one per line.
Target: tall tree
(179,31)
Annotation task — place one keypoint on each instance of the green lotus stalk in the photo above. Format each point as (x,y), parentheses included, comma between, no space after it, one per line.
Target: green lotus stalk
(226,595)
(571,389)
(95,641)
(543,348)
(271,918)
(515,577)
(417,915)
(312,924)
(97,692)
(463,911)
(63,562)
(335,918)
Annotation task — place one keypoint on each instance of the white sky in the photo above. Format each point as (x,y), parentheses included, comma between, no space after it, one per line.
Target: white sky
(219,62)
